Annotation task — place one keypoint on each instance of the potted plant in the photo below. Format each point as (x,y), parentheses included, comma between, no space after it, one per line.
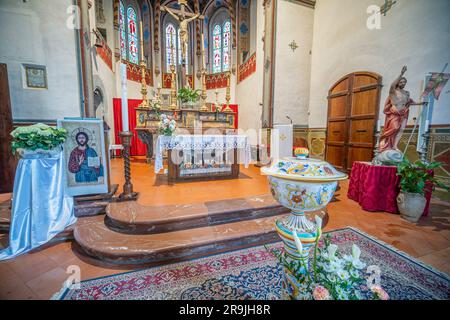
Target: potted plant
(416,178)
(37,141)
(188,96)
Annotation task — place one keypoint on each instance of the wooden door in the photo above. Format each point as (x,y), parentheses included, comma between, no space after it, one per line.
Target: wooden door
(353,104)
(7,161)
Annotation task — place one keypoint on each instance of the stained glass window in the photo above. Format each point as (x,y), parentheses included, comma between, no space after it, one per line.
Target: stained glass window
(123,35)
(217,49)
(226,46)
(129,36)
(170,40)
(221,43)
(133,42)
(172,36)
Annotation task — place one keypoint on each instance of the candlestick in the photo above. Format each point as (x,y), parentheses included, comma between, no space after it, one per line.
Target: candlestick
(228,94)
(125,126)
(143,65)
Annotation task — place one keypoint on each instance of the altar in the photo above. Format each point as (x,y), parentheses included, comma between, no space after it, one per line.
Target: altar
(202,156)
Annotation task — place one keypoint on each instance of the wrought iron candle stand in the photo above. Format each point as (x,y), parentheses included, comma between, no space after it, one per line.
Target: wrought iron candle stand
(128,194)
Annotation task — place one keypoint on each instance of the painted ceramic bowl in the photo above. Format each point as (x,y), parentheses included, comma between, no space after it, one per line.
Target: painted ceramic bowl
(303,184)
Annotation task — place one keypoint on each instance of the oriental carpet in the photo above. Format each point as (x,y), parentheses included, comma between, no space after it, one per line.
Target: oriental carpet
(254,273)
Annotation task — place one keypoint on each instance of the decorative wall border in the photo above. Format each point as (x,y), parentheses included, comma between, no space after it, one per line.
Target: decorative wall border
(167,81)
(104,52)
(134,73)
(216,80)
(247,69)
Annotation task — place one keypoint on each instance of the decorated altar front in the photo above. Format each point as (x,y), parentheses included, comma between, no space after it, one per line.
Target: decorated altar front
(202,156)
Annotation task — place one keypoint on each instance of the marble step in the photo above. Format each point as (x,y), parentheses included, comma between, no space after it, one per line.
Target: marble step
(134,218)
(99,242)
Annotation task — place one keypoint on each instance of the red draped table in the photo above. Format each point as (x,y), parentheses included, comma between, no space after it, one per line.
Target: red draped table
(376,188)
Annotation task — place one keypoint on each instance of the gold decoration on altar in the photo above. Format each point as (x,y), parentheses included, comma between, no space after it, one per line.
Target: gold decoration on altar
(173,89)
(228,94)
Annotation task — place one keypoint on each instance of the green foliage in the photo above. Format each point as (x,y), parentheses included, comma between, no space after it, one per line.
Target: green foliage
(37,136)
(414,176)
(188,95)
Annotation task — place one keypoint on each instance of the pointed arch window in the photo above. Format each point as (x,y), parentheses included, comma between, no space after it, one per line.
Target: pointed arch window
(129,34)
(220,31)
(172,38)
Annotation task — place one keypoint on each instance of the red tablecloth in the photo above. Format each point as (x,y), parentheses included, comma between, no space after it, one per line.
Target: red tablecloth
(376,188)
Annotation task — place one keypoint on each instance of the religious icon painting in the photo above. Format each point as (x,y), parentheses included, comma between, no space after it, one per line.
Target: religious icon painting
(86,172)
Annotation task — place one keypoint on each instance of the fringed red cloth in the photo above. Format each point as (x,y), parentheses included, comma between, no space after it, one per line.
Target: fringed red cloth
(138,148)
(376,188)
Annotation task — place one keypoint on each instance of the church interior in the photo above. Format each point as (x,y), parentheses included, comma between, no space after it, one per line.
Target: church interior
(224,149)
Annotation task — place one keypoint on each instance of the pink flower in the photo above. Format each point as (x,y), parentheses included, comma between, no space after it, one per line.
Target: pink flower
(379,293)
(321,293)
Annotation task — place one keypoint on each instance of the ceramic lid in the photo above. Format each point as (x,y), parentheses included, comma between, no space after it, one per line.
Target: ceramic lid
(308,169)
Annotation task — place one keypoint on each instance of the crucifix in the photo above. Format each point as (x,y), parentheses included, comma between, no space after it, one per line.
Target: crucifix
(183,18)
(293,45)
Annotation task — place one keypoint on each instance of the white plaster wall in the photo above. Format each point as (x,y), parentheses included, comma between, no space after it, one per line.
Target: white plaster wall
(292,68)
(414,33)
(35,32)
(249,91)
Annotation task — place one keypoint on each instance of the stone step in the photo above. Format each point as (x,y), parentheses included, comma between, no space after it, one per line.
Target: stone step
(101,243)
(134,218)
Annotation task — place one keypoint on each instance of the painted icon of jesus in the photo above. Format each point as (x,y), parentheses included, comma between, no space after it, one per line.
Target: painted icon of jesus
(84,161)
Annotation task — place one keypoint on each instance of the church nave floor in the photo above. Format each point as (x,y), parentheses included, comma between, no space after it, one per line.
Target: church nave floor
(40,274)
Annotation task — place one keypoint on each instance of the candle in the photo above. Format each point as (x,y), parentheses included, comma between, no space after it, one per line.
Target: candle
(427,126)
(379,126)
(159,85)
(124,98)
(203,52)
(142,41)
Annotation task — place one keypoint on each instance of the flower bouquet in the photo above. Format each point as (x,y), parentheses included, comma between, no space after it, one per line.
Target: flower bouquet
(167,125)
(38,140)
(330,275)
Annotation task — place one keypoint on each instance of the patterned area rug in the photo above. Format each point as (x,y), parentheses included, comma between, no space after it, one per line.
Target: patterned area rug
(255,274)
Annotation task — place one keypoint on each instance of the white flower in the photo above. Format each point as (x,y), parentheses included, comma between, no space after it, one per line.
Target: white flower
(354,258)
(318,224)
(298,243)
(331,252)
(343,275)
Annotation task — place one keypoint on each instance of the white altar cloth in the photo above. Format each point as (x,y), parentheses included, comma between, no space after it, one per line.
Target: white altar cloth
(202,142)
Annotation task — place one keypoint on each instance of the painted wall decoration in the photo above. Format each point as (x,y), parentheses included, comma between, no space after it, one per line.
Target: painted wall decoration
(134,73)
(244,31)
(216,80)
(247,69)
(84,156)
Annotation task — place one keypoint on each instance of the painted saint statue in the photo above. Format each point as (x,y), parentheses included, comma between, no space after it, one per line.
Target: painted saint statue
(84,161)
(396,110)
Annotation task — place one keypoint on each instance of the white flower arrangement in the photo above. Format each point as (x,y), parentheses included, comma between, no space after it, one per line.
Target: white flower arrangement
(167,125)
(330,275)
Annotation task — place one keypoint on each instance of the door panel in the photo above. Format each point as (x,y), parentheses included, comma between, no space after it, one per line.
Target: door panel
(353,104)
(336,131)
(335,156)
(358,154)
(7,161)
(365,102)
(338,107)
(361,131)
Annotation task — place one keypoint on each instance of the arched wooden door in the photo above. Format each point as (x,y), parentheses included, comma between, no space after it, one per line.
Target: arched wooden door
(353,104)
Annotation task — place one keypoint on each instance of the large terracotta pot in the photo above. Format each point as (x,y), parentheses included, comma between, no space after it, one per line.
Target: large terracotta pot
(411,205)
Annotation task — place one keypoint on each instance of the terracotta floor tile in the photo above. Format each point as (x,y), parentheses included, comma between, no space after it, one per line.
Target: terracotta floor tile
(48,283)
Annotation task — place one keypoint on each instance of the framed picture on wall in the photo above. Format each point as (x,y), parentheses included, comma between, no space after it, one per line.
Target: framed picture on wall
(85,157)
(35,76)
